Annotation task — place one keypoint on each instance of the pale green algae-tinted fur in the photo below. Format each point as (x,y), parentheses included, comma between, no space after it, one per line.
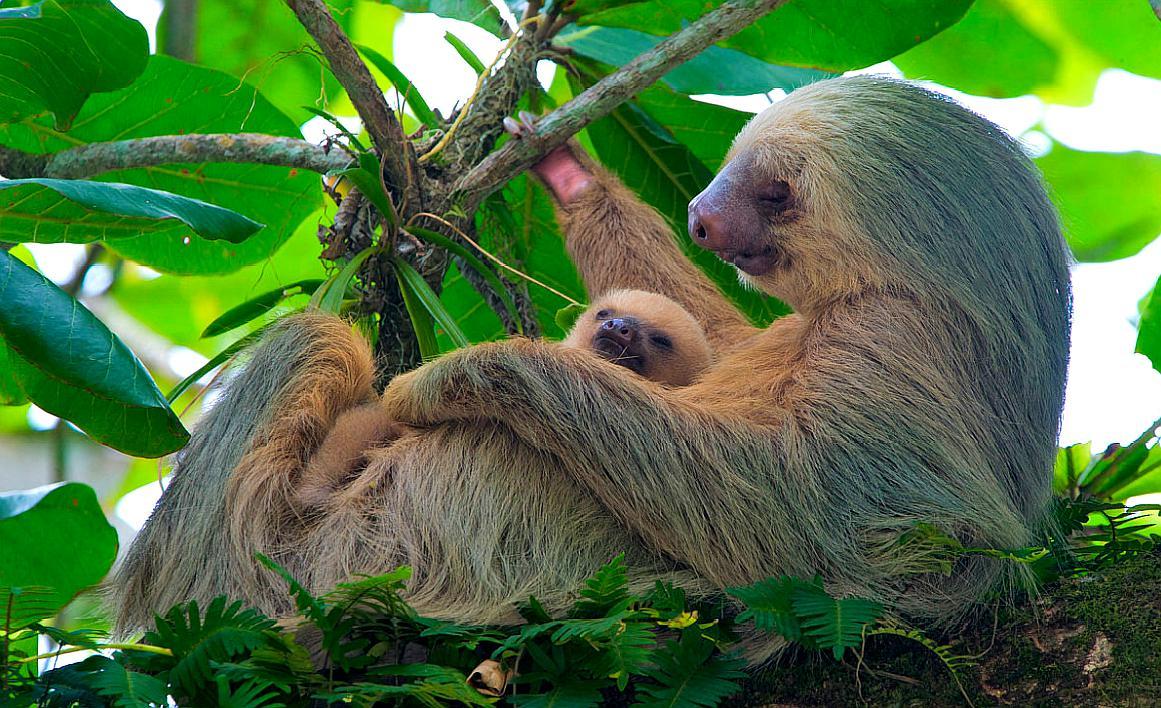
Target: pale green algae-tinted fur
(920,380)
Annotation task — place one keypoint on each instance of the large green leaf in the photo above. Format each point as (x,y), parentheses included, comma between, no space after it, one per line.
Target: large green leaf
(10,393)
(172,98)
(1125,33)
(56,53)
(1108,201)
(668,174)
(55,538)
(990,52)
(480,13)
(716,70)
(68,363)
(1149,330)
(264,43)
(831,35)
(79,211)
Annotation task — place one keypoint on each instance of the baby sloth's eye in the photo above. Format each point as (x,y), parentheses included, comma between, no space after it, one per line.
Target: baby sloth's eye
(661,341)
(604,315)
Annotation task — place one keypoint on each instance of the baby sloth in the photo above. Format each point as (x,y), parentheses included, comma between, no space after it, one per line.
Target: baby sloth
(647,333)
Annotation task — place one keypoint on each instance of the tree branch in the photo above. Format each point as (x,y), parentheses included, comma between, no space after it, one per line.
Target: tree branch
(385,130)
(608,93)
(257,148)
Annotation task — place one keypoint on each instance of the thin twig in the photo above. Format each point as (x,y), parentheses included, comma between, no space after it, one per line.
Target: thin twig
(608,93)
(494,259)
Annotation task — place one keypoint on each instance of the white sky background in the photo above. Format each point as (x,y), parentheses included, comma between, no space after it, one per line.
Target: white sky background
(1113,394)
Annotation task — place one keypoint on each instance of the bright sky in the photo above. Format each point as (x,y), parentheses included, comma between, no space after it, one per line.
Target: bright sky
(1113,394)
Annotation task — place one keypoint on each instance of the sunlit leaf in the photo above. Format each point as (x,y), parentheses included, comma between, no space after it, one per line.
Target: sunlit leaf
(1149,330)
(68,363)
(55,538)
(172,98)
(403,85)
(1108,201)
(83,211)
(831,35)
(56,53)
(480,13)
(715,70)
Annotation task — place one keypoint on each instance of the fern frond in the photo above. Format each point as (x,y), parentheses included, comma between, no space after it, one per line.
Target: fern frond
(23,605)
(688,674)
(625,653)
(253,694)
(607,589)
(438,686)
(125,688)
(224,633)
(573,694)
(833,623)
(768,605)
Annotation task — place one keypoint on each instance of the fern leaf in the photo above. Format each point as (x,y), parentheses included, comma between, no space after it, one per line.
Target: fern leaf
(606,590)
(769,605)
(575,694)
(831,623)
(224,633)
(627,652)
(128,689)
(689,674)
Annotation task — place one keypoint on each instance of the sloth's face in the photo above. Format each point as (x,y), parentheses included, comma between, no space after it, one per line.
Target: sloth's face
(646,333)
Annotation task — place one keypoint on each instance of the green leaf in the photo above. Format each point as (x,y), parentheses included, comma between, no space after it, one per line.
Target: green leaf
(126,688)
(990,52)
(257,306)
(830,623)
(465,53)
(172,98)
(604,590)
(1148,331)
(83,211)
(768,604)
(476,264)
(715,70)
(56,53)
(404,86)
(329,296)
(214,362)
(831,35)
(265,44)
(368,178)
(1124,33)
(1071,461)
(480,13)
(56,538)
(688,673)
(567,316)
(667,173)
(1108,201)
(10,393)
(416,291)
(68,363)
(224,632)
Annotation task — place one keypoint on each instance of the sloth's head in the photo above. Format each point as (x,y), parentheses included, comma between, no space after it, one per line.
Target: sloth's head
(646,333)
(864,183)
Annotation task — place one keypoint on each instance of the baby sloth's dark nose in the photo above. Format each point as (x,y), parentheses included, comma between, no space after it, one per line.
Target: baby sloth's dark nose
(622,330)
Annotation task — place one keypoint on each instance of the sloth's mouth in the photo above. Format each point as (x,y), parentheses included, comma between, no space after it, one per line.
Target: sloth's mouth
(628,356)
(757,261)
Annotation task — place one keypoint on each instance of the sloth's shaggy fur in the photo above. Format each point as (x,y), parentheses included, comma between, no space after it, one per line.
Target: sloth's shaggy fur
(920,380)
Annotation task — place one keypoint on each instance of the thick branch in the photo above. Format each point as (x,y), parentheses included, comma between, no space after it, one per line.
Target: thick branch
(95,158)
(601,98)
(352,73)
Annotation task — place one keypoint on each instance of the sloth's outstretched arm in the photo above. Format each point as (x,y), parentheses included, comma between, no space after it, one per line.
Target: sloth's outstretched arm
(699,485)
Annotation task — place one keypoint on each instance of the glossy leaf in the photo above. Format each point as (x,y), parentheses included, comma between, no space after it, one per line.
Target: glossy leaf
(1149,330)
(263,43)
(172,98)
(68,363)
(715,70)
(465,53)
(831,35)
(403,85)
(56,53)
(257,306)
(81,211)
(38,527)
(1108,201)
(416,290)
(990,52)
(472,261)
(480,13)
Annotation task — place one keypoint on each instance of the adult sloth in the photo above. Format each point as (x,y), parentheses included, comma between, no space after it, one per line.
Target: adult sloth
(920,379)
